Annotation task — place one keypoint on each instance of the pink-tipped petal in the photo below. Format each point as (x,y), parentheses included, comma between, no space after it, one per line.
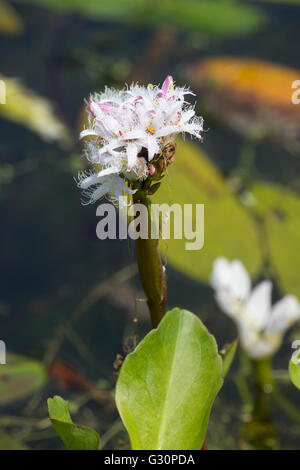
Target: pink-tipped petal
(151,169)
(166,85)
(90,103)
(106,108)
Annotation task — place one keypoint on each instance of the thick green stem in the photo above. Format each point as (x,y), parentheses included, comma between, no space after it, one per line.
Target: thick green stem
(150,267)
(264,385)
(262,372)
(259,432)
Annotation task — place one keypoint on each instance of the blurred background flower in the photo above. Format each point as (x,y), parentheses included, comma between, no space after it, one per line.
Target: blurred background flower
(260,326)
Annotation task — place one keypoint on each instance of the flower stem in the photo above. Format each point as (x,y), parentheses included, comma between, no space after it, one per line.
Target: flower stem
(150,267)
(264,385)
(262,372)
(259,432)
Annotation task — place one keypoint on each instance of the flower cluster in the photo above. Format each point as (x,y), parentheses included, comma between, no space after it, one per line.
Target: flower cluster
(261,326)
(129,130)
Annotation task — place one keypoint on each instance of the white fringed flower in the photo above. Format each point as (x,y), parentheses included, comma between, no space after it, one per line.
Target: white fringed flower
(95,187)
(261,326)
(129,127)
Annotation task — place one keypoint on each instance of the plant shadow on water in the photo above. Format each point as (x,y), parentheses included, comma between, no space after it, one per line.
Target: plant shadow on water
(69,300)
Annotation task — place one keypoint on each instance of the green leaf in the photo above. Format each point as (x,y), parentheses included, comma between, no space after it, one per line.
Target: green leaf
(213,16)
(279,209)
(10,22)
(25,107)
(227,354)
(90,8)
(20,377)
(194,179)
(294,371)
(74,436)
(8,442)
(289,2)
(59,409)
(152,190)
(167,386)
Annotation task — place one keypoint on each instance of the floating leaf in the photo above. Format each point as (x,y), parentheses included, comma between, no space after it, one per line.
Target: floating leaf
(10,22)
(194,179)
(208,15)
(8,442)
(252,96)
(224,18)
(284,2)
(117,9)
(227,354)
(294,371)
(23,106)
(279,209)
(20,377)
(74,436)
(166,387)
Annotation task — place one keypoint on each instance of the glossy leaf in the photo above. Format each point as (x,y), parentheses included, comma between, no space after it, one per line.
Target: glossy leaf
(74,436)
(166,387)
(20,377)
(194,179)
(279,209)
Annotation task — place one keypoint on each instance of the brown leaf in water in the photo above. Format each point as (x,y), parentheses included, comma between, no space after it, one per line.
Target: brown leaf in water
(252,96)
(67,376)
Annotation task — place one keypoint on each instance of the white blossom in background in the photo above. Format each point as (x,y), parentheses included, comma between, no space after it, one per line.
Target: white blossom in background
(128,128)
(260,325)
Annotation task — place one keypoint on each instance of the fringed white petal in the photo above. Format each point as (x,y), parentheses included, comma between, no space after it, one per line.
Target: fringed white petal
(87,133)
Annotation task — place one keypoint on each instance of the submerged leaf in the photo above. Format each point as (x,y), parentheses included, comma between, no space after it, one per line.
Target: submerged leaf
(74,436)
(8,442)
(24,107)
(10,22)
(20,377)
(166,387)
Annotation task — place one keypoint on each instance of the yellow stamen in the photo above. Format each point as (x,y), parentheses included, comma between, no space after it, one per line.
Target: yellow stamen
(151,129)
